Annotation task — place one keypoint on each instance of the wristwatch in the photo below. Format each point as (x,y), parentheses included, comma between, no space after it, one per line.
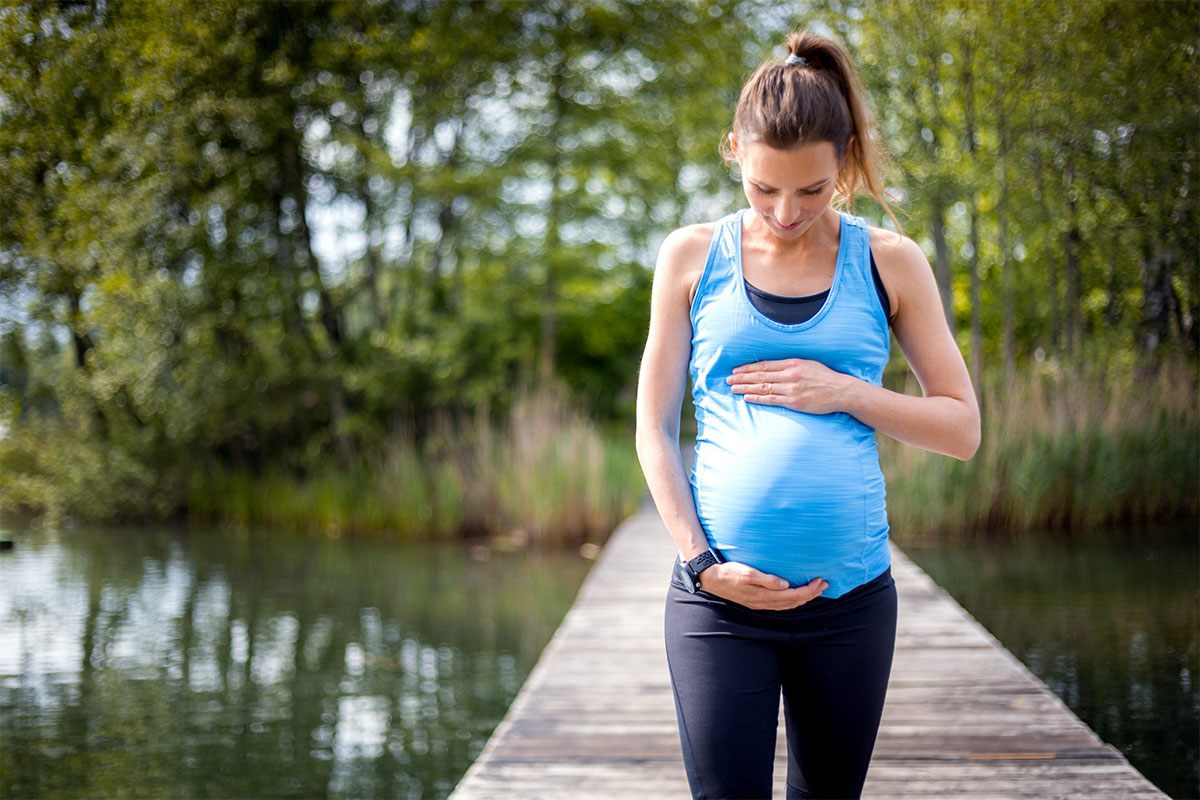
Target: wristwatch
(689,571)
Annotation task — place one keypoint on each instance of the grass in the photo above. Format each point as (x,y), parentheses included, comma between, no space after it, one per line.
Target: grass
(1061,449)
(1069,450)
(545,476)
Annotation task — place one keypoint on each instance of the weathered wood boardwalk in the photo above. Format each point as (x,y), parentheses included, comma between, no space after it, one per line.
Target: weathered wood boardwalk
(963,716)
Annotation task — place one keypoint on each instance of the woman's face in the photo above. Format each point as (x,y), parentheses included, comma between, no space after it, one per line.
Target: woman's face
(788,189)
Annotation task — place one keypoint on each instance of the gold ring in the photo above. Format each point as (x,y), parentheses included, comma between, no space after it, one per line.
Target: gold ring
(768,388)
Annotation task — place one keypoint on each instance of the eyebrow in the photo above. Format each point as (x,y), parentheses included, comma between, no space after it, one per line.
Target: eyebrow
(803,188)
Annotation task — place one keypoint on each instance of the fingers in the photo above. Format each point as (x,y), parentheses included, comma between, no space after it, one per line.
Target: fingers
(759,578)
(742,376)
(771,592)
(758,377)
(765,399)
(790,598)
(765,366)
(814,587)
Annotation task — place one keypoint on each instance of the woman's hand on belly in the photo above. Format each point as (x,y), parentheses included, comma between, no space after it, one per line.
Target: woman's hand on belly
(796,383)
(747,586)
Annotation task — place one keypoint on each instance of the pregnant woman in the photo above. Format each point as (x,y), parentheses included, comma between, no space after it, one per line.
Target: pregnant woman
(780,313)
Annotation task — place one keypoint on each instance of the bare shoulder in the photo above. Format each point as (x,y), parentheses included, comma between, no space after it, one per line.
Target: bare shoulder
(895,252)
(682,256)
(902,266)
(663,374)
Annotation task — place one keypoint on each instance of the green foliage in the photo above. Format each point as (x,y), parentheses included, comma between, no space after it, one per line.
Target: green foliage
(272,239)
(59,471)
(1048,152)
(173,179)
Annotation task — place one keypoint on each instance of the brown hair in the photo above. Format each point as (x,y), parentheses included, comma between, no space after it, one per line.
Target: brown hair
(821,100)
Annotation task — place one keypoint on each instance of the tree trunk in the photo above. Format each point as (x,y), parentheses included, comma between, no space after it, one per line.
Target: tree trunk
(81,342)
(973,205)
(293,181)
(405,291)
(331,316)
(1071,261)
(1112,309)
(552,248)
(1006,269)
(1051,263)
(976,307)
(941,267)
(292,316)
(446,221)
(370,226)
(1156,285)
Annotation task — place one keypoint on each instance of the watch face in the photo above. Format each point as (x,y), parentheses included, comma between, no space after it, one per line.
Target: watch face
(686,577)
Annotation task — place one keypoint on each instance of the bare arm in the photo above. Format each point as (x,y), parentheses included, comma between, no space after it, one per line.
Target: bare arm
(661,384)
(946,418)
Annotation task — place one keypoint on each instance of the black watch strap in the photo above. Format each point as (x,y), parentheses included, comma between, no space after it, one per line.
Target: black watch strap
(702,562)
(690,570)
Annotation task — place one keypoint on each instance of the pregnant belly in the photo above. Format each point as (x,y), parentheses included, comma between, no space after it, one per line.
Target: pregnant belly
(787,495)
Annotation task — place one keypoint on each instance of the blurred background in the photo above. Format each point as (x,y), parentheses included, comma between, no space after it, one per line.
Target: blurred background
(320,325)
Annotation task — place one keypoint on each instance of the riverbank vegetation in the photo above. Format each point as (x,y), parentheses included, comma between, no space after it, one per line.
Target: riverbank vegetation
(314,263)
(1062,449)
(545,475)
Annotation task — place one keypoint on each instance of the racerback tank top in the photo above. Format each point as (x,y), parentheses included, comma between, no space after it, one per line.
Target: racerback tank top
(790,493)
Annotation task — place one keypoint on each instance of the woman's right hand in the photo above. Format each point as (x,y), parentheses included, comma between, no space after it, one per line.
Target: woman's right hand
(747,586)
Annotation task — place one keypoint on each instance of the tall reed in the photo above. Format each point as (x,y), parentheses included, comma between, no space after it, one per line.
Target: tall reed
(1071,449)
(1068,449)
(544,475)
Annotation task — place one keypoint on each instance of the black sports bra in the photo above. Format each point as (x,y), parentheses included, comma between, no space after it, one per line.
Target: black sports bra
(791,310)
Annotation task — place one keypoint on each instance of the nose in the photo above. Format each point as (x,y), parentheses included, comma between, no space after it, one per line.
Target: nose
(787,211)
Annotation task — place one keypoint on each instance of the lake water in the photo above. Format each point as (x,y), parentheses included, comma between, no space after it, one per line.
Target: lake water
(1110,621)
(212,664)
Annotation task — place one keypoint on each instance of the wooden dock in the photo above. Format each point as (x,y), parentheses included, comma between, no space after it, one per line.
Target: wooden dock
(963,716)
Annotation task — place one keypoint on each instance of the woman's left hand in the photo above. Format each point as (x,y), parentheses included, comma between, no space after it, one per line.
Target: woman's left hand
(796,383)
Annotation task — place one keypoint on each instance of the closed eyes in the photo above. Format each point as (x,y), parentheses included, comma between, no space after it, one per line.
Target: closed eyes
(806,192)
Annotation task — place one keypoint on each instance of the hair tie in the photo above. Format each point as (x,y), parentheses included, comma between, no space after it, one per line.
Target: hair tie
(795,59)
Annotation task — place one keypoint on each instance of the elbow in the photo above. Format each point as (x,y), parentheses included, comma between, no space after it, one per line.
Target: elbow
(969,441)
(641,440)
(969,449)
(646,437)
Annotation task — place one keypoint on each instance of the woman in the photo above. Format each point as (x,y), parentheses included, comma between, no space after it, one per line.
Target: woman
(780,312)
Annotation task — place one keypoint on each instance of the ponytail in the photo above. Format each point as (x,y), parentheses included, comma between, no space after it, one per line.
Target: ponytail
(814,96)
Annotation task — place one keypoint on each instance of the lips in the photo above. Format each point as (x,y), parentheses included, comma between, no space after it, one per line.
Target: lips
(793,226)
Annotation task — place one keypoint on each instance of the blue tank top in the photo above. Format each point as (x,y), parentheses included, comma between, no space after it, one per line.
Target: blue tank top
(793,494)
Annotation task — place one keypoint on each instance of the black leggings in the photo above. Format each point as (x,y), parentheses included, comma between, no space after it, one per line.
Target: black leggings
(831,657)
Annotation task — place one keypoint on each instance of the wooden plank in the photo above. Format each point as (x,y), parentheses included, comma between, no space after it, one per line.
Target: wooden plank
(963,716)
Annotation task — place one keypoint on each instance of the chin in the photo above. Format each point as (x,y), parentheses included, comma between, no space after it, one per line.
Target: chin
(800,227)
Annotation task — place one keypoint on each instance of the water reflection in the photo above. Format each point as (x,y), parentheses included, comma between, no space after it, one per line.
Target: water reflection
(208,664)
(1110,621)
